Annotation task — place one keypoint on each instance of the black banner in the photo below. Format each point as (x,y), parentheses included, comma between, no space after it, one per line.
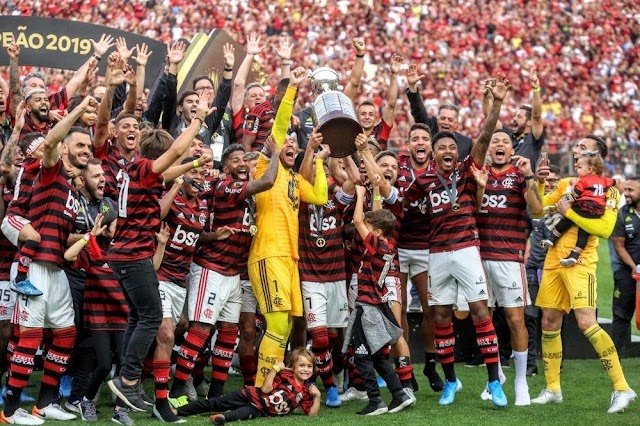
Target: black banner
(61,43)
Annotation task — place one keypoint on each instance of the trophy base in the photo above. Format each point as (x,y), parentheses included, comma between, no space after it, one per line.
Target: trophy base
(340,134)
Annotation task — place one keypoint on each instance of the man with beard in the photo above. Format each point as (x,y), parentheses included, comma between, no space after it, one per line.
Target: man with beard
(374,128)
(454,257)
(509,191)
(5,121)
(562,289)
(447,119)
(37,118)
(273,256)
(52,211)
(527,132)
(214,291)
(413,247)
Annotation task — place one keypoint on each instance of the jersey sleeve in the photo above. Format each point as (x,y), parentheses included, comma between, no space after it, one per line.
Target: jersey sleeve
(307,401)
(283,116)
(146,176)
(579,187)
(261,166)
(371,243)
(552,198)
(618,230)
(48,174)
(602,226)
(317,194)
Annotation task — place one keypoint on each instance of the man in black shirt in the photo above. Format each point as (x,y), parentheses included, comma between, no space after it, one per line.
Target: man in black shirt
(626,240)
(447,120)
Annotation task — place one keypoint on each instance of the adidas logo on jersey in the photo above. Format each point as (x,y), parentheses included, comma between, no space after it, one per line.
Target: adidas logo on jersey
(433,185)
(180,215)
(362,350)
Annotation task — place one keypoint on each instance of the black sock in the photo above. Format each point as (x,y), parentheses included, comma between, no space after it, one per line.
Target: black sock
(178,388)
(449,371)
(215,389)
(573,255)
(46,395)
(11,400)
(492,370)
(429,363)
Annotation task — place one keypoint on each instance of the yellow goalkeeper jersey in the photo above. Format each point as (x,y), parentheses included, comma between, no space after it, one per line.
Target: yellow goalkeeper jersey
(601,227)
(277,209)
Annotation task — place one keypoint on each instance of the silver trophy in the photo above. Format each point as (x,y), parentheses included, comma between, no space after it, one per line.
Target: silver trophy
(333,113)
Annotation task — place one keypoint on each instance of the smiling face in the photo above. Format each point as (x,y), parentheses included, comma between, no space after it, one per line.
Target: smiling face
(89,117)
(302,369)
(420,145)
(193,176)
(196,149)
(447,120)
(389,167)
(77,148)
(3,102)
(256,95)
(236,166)
(500,149)
(445,154)
(367,117)
(141,106)
(520,122)
(632,192)
(128,131)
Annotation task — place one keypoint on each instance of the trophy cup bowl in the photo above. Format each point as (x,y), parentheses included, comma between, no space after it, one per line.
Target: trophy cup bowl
(333,114)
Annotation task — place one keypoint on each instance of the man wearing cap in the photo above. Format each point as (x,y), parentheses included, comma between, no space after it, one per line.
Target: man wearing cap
(37,112)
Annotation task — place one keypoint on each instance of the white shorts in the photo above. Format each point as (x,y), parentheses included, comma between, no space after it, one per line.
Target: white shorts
(507,284)
(249,301)
(7,300)
(413,262)
(213,297)
(456,272)
(11,227)
(353,292)
(172,297)
(325,304)
(54,309)
(394,290)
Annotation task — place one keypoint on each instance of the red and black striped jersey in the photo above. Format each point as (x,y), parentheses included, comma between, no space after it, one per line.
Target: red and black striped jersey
(105,307)
(57,101)
(381,134)
(237,126)
(502,219)
(138,213)
(258,123)
(19,205)
(52,211)
(449,229)
(377,261)
(186,223)
(7,250)
(112,164)
(322,262)
(286,396)
(414,225)
(227,205)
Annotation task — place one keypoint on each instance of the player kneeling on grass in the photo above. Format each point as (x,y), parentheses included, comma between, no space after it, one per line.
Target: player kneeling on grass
(372,326)
(284,389)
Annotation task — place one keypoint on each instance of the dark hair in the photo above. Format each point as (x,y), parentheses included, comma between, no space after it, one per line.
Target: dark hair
(349,231)
(74,102)
(420,126)
(26,140)
(602,145)
(297,163)
(154,143)
(386,153)
(230,150)
(249,156)
(554,169)
(123,116)
(188,160)
(184,95)
(442,135)
(366,102)
(450,107)
(199,78)
(383,220)
(93,161)
(501,131)
(282,85)
(527,111)
(74,130)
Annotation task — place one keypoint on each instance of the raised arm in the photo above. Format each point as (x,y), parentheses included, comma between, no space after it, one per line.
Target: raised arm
(600,227)
(60,130)
(389,109)
(100,48)
(358,213)
(371,166)
(532,197)
(167,200)
(132,99)
(141,59)
(499,89)
(306,168)
(268,179)
(113,78)
(224,90)
(175,55)
(283,50)
(8,153)
(356,72)
(285,110)
(418,111)
(240,82)
(14,77)
(319,193)
(536,106)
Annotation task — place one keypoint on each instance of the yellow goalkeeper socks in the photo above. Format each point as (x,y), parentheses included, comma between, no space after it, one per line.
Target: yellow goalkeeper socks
(606,350)
(273,343)
(552,358)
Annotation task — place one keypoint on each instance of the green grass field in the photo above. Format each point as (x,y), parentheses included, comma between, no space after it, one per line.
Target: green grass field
(586,390)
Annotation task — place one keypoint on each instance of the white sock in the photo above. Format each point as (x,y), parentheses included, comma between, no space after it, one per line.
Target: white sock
(520,359)
(501,375)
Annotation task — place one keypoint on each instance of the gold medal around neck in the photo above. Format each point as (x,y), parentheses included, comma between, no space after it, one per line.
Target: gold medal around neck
(455,207)
(253,230)
(321,242)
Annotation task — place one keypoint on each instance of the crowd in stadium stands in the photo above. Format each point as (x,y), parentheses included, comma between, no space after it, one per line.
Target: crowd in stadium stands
(587,53)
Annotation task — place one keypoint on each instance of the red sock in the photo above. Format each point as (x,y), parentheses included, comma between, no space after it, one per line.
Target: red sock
(320,346)
(249,368)
(57,358)
(445,341)
(161,378)
(222,355)
(23,357)
(188,353)
(487,340)
(404,370)
(25,254)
